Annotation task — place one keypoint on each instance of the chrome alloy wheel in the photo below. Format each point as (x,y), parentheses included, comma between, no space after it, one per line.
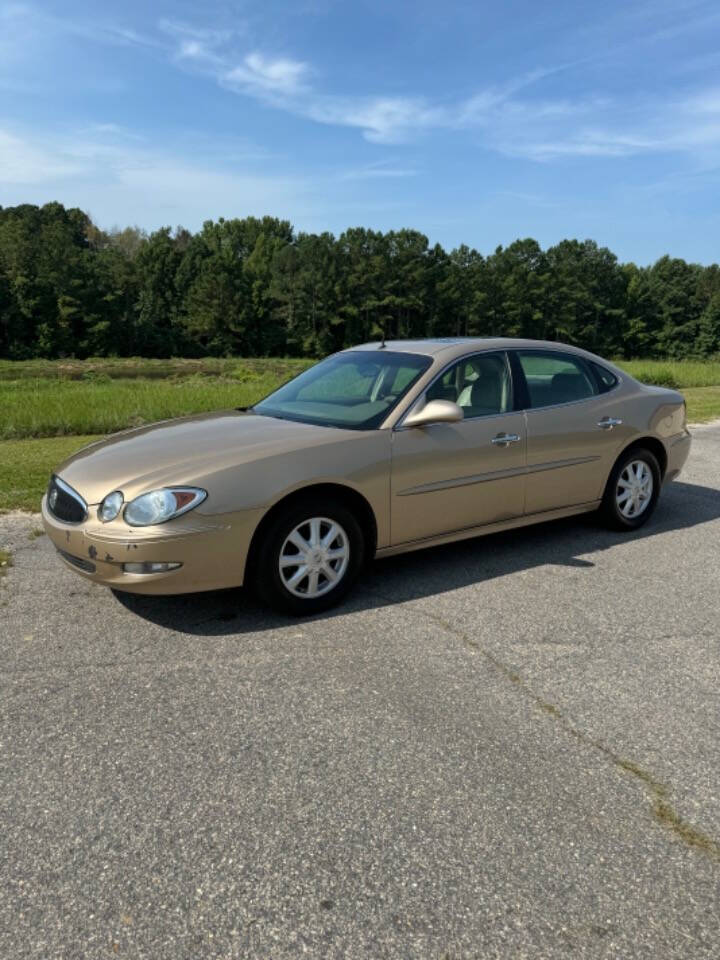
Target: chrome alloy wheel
(314,557)
(634,489)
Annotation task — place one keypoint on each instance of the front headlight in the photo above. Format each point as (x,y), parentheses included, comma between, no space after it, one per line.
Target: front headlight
(111,506)
(162,505)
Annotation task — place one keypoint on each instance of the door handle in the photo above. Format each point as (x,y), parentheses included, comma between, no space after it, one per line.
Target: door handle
(504,439)
(607,423)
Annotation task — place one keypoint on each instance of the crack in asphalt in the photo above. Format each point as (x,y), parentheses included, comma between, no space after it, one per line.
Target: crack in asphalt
(663,811)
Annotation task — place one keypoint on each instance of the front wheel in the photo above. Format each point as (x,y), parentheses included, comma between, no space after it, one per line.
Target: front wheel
(632,490)
(309,557)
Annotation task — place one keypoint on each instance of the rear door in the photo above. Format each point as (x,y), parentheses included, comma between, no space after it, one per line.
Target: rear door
(450,476)
(571,441)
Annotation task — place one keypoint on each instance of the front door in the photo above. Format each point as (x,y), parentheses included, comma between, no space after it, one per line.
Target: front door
(447,477)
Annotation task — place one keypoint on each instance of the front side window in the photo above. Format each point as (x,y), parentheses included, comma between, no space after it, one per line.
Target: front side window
(355,390)
(480,384)
(554,378)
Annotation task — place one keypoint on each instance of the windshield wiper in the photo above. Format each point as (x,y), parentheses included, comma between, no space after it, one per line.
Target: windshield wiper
(262,413)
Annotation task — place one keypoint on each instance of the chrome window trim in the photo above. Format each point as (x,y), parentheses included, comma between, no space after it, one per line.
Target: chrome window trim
(66,488)
(400,425)
(567,403)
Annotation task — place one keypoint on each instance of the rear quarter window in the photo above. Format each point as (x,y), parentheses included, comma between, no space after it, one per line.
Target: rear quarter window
(606,379)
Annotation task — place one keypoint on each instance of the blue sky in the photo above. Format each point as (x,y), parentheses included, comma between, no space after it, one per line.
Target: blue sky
(470,121)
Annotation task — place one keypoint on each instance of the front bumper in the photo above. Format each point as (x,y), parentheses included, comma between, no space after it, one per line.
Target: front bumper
(212,550)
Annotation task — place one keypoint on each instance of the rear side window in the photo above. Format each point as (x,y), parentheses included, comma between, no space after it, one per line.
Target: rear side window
(554,378)
(605,378)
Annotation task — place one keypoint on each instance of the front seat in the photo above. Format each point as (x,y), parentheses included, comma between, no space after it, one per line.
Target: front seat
(488,394)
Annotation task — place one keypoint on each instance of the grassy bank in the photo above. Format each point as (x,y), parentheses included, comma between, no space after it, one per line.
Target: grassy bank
(703,404)
(679,373)
(62,398)
(138,368)
(93,401)
(26,465)
(676,374)
(47,408)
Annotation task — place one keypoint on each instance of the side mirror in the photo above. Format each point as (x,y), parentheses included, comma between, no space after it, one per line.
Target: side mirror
(436,411)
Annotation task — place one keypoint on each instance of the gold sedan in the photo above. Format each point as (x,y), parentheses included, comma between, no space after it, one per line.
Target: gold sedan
(376,450)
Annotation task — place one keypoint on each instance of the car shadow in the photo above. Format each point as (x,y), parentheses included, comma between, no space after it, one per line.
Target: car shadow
(571,542)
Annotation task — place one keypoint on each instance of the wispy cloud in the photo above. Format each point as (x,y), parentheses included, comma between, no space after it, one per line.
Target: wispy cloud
(265,75)
(384,120)
(125,182)
(23,161)
(26,27)
(377,171)
(603,127)
(584,143)
(511,117)
(114,130)
(196,43)
(114,33)
(286,83)
(507,117)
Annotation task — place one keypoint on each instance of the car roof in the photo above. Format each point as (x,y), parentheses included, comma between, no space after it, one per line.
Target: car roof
(458,346)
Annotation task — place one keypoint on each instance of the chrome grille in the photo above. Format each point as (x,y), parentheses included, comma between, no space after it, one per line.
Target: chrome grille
(65,503)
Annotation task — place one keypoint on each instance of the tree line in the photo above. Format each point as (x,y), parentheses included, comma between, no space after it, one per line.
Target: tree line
(255,287)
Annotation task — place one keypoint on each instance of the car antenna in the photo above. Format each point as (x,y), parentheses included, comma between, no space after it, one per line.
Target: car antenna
(382,344)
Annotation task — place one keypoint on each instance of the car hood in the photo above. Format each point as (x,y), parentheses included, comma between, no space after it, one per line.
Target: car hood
(185,452)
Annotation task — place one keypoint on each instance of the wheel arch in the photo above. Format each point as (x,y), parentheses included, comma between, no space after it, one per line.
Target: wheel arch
(350,497)
(655,446)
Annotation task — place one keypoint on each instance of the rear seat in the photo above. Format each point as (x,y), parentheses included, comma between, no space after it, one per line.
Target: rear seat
(563,388)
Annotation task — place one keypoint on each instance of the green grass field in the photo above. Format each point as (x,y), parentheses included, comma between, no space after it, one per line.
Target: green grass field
(100,398)
(25,467)
(676,374)
(48,409)
(703,404)
(134,368)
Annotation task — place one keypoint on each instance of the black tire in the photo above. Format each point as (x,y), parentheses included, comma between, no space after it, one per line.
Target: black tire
(610,512)
(266,579)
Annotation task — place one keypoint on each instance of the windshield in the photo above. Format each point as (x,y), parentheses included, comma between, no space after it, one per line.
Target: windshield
(355,390)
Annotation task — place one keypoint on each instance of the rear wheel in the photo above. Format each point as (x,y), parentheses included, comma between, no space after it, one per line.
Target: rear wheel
(632,490)
(309,557)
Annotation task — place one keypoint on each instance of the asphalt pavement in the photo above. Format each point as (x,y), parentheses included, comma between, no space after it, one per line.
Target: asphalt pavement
(508,747)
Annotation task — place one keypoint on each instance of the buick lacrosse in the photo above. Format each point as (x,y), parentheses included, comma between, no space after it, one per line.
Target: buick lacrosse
(380,449)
